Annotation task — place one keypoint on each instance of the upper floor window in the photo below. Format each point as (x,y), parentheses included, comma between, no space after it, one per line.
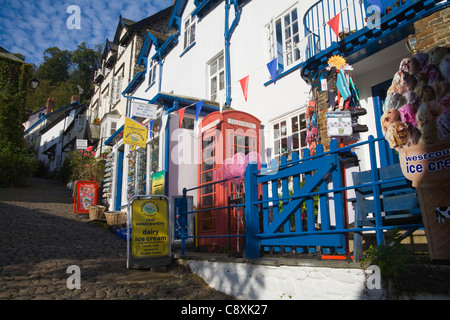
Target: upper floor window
(283,36)
(152,72)
(189,32)
(216,77)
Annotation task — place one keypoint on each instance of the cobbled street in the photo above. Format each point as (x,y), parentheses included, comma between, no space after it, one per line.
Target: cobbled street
(41,236)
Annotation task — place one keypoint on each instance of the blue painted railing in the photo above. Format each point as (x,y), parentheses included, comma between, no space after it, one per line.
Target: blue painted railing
(288,221)
(357,22)
(319,34)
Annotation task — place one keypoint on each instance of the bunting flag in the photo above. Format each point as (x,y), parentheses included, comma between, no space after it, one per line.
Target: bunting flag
(272,66)
(181,115)
(244,85)
(198,107)
(334,24)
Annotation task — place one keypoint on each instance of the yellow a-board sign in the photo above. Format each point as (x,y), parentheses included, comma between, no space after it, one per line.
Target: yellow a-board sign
(150,237)
(150,232)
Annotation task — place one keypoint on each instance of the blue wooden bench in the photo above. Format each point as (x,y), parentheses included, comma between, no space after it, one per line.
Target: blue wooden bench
(398,202)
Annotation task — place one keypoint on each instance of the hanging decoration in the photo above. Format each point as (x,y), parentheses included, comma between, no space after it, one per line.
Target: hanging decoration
(312,134)
(334,24)
(244,86)
(181,115)
(198,108)
(272,66)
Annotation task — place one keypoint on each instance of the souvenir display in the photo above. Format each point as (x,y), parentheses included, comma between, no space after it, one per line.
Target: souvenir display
(416,122)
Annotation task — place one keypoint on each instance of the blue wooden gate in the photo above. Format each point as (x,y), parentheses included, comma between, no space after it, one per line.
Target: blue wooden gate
(286,227)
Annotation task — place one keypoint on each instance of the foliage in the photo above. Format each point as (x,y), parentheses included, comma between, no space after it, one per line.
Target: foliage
(84,166)
(61,73)
(16,166)
(391,258)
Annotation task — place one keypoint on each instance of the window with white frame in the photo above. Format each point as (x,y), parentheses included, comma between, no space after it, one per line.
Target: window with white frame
(189,32)
(113,128)
(289,135)
(216,77)
(283,35)
(152,71)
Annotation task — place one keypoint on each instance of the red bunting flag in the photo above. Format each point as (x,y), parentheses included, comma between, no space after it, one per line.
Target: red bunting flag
(181,115)
(244,85)
(334,24)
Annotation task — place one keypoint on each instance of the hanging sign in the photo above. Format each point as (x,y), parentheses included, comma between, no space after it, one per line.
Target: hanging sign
(85,196)
(158,183)
(82,143)
(150,236)
(144,110)
(135,134)
(339,124)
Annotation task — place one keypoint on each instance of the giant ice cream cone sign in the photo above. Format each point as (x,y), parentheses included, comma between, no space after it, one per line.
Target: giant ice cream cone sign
(416,122)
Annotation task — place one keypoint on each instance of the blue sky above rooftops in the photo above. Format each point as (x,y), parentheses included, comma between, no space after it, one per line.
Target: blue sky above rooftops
(30,27)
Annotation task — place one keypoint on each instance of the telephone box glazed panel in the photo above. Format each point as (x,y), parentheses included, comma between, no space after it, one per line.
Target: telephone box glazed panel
(222,135)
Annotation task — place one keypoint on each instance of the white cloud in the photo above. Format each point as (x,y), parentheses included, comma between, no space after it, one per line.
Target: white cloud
(30,27)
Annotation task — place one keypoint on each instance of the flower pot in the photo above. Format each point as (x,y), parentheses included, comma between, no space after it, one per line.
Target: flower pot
(428,167)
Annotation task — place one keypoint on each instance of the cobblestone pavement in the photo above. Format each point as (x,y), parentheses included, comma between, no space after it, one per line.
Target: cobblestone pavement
(41,236)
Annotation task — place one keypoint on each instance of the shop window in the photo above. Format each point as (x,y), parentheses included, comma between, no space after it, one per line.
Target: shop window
(216,77)
(283,35)
(189,32)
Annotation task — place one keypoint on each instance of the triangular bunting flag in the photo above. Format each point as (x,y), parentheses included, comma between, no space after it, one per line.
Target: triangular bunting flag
(181,115)
(334,24)
(198,107)
(244,85)
(272,66)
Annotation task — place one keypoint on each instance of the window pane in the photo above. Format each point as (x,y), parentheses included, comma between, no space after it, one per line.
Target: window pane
(295,141)
(192,33)
(284,146)
(303,138)
(283,128)
(294,15)
(213,68)
(276,131)
(213,86)
(222,80)
(295,28)
(221,63)
(277,147)
(294,122)
(302,121)
(287,20)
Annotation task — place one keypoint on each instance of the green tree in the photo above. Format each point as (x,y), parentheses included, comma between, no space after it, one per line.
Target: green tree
(56,65)
(85,60)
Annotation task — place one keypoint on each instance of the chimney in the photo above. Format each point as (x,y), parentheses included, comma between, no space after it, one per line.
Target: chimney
(74,99)
(50,105)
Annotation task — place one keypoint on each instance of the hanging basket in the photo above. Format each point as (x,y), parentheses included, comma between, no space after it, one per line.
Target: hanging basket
(116,218)
(96,212)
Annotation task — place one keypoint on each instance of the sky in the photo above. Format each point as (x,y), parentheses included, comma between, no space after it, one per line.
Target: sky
(29,27)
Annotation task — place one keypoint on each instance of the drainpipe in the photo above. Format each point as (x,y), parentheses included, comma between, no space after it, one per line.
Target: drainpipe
(167,146)
(228,33)
(160,72)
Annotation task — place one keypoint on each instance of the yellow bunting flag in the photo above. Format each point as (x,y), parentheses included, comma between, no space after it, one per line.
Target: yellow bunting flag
(135,134)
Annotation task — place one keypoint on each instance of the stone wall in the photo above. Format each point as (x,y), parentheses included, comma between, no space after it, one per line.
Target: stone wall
(433,31)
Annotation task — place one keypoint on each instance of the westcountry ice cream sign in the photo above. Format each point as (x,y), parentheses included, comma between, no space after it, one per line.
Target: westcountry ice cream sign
(134,134)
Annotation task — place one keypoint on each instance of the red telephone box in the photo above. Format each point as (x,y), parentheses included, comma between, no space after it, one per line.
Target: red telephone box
(85,195)
(222,135)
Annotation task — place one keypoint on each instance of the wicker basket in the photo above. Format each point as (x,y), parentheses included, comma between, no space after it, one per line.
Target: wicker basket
(96,212)
(116,218)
